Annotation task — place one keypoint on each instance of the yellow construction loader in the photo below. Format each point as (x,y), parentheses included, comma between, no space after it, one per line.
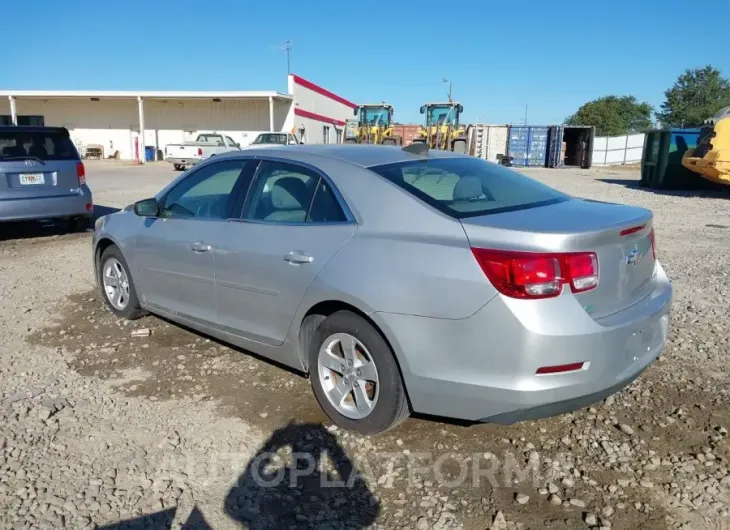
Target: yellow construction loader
(373,126)
(711,158)
(442,129)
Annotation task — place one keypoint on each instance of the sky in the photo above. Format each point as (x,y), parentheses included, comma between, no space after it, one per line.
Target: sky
(499,56)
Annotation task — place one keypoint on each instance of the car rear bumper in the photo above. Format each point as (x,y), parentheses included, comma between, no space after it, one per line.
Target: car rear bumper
(27,209)
(483,368)
(182,161)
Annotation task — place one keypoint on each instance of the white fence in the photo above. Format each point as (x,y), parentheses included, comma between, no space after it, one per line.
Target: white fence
(618,150)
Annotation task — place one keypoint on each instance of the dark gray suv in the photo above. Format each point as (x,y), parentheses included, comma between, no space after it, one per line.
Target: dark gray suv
(42,177)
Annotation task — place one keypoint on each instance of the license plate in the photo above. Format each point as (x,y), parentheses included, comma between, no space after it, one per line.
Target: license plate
(32,178)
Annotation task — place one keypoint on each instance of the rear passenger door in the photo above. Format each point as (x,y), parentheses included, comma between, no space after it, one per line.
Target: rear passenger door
(292,223)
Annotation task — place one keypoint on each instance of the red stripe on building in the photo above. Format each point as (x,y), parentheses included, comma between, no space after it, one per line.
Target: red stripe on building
(318,117)
(323,91)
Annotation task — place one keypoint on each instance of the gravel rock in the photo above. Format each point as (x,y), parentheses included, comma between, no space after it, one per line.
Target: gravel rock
(521,498)
(499,522)
(626,429)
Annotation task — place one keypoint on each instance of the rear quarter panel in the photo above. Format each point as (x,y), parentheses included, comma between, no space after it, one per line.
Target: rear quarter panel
(405,256)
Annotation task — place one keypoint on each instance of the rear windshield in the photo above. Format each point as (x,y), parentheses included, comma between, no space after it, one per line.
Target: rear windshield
(271,139)
(50,145)
(467,187)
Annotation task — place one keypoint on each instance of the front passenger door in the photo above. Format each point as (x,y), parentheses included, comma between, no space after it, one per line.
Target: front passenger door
(292,225)
(175,252)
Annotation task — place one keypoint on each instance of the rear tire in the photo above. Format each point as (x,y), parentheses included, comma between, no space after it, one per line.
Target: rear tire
(78,224)
(113,258)
(387,404)
(459,146)
(178,167)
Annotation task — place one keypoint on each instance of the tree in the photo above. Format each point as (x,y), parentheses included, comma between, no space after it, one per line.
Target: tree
(613,115)
(696,96)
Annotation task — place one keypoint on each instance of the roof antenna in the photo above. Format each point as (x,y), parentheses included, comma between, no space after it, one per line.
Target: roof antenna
(417,148)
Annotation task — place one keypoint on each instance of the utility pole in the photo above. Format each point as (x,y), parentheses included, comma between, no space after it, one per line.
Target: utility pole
(449,83)
(525,114)
(287,49)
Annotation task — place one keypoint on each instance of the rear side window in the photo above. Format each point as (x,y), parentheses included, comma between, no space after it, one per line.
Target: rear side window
(49,145)
(325,208)
(467,187)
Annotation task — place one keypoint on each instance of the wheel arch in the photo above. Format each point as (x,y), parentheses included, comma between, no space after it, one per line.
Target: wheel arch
(102,244)
(318,312)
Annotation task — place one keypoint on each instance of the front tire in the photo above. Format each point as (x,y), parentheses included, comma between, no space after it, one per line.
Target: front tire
(459,146)
(117,286)
(355,377)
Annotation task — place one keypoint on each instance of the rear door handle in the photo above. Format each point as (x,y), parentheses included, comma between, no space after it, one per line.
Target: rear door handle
(298,257)
(200,247)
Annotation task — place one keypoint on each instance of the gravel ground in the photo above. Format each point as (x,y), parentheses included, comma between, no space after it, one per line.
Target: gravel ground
(102,429)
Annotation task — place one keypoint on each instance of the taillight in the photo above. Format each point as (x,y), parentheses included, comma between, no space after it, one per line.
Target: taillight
(81,173)
(538,275)
(200,151)
(652,238)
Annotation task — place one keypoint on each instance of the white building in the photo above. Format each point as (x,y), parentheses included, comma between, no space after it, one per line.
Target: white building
(116,121)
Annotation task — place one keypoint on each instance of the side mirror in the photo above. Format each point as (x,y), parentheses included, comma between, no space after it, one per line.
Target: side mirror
(238,144)
(423,109)
(354,113)
(147,208)
(461,109)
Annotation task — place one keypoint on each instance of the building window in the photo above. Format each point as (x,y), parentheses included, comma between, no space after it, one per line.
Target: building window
(325,134)
(37,121)
(338,134)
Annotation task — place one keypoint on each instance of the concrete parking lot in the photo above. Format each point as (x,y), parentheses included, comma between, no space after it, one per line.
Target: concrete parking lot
(98,427)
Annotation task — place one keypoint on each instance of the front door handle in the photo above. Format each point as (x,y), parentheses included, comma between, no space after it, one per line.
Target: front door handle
(199,247)
(297,257)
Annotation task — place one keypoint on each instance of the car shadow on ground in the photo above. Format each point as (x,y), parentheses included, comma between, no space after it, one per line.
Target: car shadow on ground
(701,193)
(301,477)
(47,228)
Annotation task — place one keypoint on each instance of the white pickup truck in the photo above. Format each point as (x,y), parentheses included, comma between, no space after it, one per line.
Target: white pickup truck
(273,138)
(205,145)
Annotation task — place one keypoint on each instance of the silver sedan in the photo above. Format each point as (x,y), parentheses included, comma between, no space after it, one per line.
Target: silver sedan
(400,280)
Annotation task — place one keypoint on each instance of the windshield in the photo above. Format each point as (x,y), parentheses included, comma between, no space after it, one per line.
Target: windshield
(271,139)
(46,145)
(467,187)
(442,115)
(375,116)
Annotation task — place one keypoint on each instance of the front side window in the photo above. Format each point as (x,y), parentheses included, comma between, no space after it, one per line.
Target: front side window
(205,193)
(231,142)
(466,187)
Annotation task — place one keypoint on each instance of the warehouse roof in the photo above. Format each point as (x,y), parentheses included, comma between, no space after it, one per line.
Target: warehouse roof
(149,94)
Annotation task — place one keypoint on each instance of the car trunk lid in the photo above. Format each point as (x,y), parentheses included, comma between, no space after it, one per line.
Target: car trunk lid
(619,235)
